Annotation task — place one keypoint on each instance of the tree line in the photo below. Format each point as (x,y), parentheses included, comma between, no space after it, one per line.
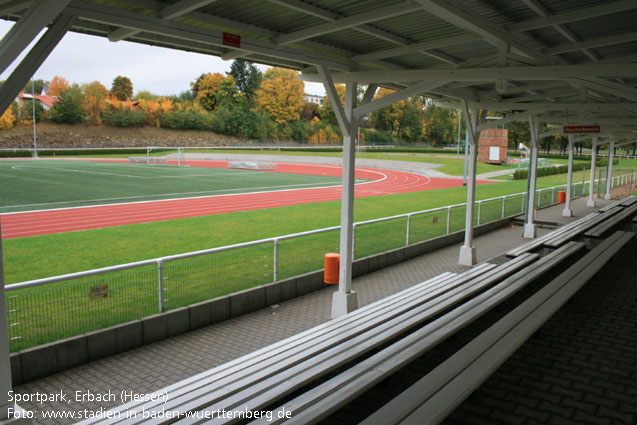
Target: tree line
(249,104)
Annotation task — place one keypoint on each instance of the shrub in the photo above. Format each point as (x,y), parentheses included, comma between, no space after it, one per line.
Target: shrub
(124,118)
(522,174)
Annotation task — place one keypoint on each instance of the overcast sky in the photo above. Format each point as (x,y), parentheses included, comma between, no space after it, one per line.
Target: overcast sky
(83,58)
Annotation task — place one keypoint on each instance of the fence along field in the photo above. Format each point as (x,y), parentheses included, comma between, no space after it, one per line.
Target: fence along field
(63,184)
(45,310)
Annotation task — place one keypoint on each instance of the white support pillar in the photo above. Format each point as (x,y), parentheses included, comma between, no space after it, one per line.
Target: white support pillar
(567,211)
(609,177)
(591,194)
(345,300)
(467,255)
(530,228)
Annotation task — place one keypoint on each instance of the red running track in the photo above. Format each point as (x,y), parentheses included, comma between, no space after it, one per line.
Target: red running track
(15,225)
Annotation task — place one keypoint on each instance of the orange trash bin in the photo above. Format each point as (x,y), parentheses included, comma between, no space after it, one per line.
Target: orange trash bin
(332,265)
(561,197)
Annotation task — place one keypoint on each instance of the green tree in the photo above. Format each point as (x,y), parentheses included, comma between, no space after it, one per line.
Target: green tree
(440,124)
(212,90)
(247,78)
(26,111)
(122,88)
(68,108)
(38,86)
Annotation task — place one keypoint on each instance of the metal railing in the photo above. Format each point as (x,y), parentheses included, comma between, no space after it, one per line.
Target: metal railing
(44,310)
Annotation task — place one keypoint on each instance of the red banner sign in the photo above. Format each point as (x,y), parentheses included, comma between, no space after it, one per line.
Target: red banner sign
(231,40)
(581,129)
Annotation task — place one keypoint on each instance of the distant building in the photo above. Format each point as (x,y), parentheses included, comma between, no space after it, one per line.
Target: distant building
(46,100)
(313,98)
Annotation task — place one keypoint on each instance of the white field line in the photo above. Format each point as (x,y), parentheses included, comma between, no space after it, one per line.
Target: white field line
(384,177)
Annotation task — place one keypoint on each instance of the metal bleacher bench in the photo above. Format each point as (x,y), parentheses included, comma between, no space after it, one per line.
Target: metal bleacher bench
(261,378)
(626,202)
(427,313)
(434,396)
(604,227)
(566,233)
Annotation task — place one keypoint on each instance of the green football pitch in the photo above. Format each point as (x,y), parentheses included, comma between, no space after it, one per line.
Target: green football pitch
(37,185)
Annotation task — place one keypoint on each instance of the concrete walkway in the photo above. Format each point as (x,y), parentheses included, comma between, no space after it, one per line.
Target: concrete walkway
(157,365)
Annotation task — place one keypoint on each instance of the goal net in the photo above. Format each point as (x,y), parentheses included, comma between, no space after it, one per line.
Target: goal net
(252,165)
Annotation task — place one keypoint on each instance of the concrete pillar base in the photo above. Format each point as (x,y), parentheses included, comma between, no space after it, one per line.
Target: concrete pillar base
(567,212)
(530,231)
(590,203)
(343,303)
(607,197)
(17,410)
(467,256)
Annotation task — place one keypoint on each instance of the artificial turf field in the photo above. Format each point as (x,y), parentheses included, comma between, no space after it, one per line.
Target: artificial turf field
(38,185)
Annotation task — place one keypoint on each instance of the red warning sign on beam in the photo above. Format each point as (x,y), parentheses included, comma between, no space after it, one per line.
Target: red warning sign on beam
(581,129)
(231,40)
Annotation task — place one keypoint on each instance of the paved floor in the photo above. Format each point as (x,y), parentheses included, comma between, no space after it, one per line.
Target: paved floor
(154,366)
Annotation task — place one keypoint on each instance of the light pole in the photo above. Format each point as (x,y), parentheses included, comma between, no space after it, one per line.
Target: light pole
(35,140)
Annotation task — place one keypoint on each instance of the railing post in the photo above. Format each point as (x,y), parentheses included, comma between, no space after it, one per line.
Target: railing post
(160,285)
(479,211)
(407,233)
(275,273)
(504,205)
(539,197)
(354,241)
(523,201)
(448,219)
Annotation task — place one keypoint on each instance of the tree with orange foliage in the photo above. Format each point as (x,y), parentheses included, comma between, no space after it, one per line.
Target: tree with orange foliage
(58,84)
(327,110)
(281,95)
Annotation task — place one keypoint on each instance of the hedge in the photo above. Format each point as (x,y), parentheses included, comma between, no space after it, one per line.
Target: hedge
(15,154)
(522,174)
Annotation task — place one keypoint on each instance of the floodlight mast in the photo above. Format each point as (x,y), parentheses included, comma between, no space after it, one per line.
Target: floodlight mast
(35,140)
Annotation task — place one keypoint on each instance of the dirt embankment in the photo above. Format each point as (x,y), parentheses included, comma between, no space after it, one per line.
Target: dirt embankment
(51,135)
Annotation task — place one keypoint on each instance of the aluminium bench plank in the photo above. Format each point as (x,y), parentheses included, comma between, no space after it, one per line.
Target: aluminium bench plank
(582,227)
(538,242)
(433,397)
(370,314)
(320,402)
(599,230)
(275,385)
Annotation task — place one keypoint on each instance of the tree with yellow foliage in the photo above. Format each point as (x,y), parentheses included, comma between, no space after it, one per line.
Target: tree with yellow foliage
(281,95)
(211,90)
(94,103)
(58,84)
(7,120)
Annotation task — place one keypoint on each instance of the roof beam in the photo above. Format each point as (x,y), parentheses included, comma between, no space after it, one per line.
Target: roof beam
(13,7)
(396,97)
(107,15)
(486,74)
(539,9)
(619,90)
(591,43)
(416,47)
(347,22)
(38,16)
(167,13)
(578,15)
(467,20)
